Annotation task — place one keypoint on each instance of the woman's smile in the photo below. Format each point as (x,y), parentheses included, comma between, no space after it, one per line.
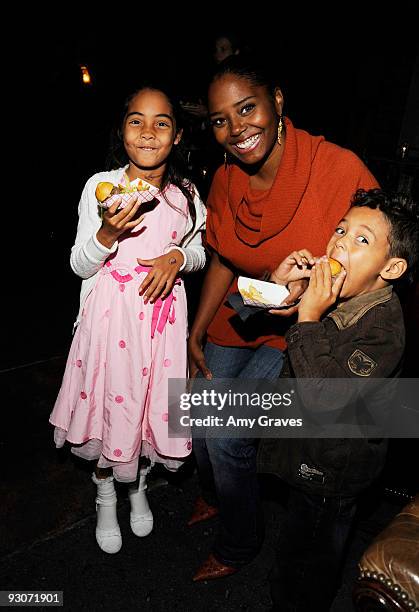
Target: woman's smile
(245,146)
(244,117)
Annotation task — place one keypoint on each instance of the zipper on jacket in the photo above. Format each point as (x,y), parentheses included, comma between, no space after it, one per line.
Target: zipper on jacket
(309,473)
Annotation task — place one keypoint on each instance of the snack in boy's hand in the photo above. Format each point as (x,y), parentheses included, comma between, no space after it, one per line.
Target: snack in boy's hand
(260,293)
(107,193)
(335,266)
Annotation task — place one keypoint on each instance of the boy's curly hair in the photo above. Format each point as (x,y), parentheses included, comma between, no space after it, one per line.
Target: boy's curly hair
(402,214)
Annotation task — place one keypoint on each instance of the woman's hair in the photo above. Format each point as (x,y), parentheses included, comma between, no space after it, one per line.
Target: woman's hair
(176,167)
(402,215)
(255,72)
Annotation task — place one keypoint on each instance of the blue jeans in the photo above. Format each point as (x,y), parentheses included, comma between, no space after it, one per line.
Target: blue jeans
(227,466)
(311,548)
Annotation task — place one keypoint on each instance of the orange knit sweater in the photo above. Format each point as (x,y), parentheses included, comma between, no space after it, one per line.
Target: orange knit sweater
(255,232)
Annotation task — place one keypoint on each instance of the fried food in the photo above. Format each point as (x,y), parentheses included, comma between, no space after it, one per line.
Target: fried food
(104,189)
(254,294)
(335,266)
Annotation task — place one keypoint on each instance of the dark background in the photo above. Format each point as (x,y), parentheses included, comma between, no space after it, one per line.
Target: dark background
(351,78)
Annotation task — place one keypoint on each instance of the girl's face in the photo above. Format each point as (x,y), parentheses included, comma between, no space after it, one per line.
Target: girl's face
(244,118)
(149,132)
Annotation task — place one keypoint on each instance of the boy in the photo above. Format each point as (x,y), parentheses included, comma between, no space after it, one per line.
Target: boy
(376,243)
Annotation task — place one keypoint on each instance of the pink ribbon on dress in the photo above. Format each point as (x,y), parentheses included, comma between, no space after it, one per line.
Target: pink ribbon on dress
(163,310)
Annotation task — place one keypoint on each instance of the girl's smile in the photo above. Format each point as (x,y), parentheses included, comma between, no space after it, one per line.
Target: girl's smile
(149,133)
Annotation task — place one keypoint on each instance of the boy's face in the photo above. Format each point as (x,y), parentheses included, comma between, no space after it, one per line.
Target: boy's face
(360,244)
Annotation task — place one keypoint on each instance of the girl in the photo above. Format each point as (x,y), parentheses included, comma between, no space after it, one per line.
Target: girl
(132,325)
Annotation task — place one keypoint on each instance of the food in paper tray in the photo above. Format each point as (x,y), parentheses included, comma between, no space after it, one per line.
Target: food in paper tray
(260,293)
(335,266)
(108,193)
(104,190)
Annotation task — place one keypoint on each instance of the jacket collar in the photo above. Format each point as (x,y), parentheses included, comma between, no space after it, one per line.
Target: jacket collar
(348,313)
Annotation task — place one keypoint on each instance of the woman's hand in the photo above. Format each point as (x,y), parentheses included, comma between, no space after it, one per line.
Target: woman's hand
(116,223)
(296,290)
(196,358)
(214,289)
(161,278)
(321,292)
(293,268)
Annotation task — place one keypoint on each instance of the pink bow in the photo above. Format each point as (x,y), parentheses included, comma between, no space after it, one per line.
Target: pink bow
(162,310)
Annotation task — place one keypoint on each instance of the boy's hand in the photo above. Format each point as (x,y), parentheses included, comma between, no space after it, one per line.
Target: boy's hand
(321,292)
(293,268)
(115,223)
(161,278)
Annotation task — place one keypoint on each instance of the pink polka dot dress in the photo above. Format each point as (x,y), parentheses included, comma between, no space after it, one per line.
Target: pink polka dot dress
(113,402)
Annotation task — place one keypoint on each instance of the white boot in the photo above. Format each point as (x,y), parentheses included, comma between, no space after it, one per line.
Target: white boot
(108,534)
(141,517)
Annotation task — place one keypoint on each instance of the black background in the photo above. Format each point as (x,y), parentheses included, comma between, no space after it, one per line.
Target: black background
(344,74)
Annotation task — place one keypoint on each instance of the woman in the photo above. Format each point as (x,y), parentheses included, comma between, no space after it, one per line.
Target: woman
(280,189)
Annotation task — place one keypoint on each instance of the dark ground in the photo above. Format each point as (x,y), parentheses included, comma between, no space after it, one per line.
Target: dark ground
(47,520)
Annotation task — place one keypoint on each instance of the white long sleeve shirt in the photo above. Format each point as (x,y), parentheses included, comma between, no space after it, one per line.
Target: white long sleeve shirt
(88,254)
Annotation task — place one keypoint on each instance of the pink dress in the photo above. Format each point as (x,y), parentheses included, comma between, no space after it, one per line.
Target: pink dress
(114,396)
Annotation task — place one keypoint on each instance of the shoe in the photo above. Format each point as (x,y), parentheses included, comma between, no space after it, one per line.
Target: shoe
(212,569)
(202,512)
(141,524)
(141,517)
(109,539)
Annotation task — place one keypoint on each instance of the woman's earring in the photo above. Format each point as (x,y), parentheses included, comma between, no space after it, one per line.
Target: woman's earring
(280,127)
(225,159)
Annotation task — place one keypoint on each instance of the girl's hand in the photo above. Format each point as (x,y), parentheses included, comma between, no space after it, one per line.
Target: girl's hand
(321,292)
(293,268)
(196,358)
(116,223)
(161,278)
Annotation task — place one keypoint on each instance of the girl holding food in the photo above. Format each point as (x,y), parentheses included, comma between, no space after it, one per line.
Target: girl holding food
(139,231)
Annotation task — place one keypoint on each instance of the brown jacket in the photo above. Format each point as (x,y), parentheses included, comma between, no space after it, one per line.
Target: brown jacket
(363,337)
